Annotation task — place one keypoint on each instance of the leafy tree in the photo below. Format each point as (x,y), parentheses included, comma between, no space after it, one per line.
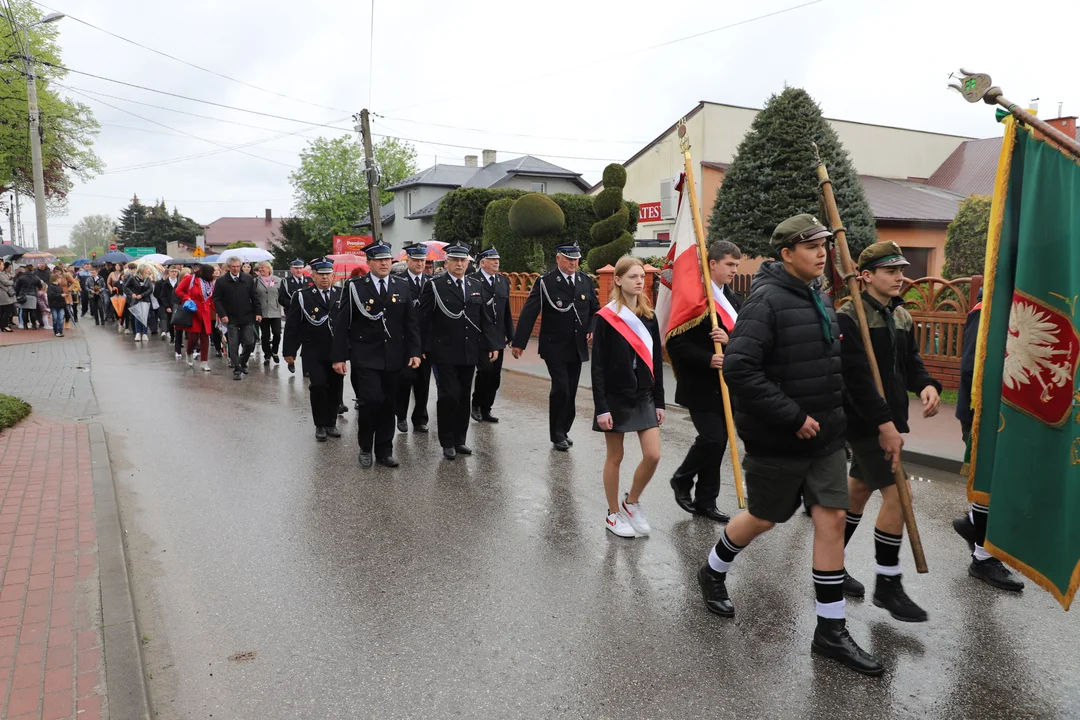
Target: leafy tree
(67,127)
(93,232)
(965,239)
(773,176)
(240,244)
(294,241)
(610,235)
(330,188)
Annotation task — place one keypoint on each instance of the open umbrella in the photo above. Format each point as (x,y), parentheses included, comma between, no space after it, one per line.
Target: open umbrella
(209,260)
(11,249)
(345,264)
(181,261)
(158,258)
(435,251)
(80,262)
(248,255)
(116,257)
(36,258)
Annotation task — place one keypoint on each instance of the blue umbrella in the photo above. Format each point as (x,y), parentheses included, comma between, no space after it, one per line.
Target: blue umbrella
(209,259)
(116,257)
(80,262)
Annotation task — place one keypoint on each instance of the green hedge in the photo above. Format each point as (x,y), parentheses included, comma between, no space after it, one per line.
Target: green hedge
(611,235)
(536,215)
(12,410)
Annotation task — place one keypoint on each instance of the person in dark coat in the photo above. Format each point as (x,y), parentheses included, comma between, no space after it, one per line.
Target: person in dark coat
(377,332)
(238,307)
(165,292)
(697,365)
(565,301)
(456,333)
(27,285)
(497,299)
(414,383)
(628,391)
(294,283)
(872,427)
(783,367)
(309,331)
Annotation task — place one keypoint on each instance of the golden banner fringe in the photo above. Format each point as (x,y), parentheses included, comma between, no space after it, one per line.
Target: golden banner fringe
(1064,598)
(688,325)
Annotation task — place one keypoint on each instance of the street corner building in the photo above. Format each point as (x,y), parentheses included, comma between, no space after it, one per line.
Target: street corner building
(1025,446)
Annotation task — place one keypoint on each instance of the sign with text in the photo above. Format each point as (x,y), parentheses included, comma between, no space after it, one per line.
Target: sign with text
(351,244)
(138,252)
(650,212)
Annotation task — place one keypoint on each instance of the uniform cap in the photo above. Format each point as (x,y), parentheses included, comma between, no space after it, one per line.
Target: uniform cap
(322,266)
(297,263)
(457,251)
(798,229)
(569,251)
(378,252)
(489,254)
(417,252)
(882,254)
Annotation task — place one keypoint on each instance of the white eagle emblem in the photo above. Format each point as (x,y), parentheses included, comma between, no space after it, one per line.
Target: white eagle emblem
(1034,350)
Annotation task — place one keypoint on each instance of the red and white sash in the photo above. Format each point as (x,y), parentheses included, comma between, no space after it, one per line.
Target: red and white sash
(633,331)
(724,309)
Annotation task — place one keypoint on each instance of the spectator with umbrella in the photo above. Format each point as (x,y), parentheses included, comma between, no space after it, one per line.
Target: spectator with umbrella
(139,287)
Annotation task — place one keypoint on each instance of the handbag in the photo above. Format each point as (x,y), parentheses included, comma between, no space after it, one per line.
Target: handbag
(182,317)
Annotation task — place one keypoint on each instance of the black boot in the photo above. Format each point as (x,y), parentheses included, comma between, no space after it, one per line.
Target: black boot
(965,529)
(682,494)
(993,572)
(476,415)
(852,587)
(714,591)
(832,640)
(889,594)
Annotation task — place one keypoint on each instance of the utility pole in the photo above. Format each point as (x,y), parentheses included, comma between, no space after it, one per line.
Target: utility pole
(18,218)
(35,152)
(11,222)
(372,174)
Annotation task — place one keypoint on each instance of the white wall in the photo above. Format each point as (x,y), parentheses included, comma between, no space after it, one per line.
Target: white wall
(554,185)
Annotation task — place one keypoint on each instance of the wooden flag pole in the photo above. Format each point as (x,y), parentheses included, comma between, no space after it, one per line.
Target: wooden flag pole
(706,279)
(899,476)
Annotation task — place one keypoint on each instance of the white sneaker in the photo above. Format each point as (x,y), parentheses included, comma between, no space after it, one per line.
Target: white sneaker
(138,337)
(617,524)
(190,359)
(635,514)
(206,367)
(164,335)
(178,356)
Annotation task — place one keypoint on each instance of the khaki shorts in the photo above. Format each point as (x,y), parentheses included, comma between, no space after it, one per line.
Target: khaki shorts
(774,484)
(868,464)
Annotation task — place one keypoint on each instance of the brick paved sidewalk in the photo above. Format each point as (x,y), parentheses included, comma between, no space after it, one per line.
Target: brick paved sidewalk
(50,617)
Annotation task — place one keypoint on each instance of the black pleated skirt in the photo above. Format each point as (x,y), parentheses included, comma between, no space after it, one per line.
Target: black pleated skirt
(630,414)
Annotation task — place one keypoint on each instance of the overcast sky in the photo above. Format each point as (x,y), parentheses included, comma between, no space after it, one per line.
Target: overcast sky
(528,79)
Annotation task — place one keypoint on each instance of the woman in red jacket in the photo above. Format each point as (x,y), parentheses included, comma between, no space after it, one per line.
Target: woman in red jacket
(199,289)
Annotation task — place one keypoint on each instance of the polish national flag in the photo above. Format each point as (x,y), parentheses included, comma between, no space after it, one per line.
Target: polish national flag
(680,302)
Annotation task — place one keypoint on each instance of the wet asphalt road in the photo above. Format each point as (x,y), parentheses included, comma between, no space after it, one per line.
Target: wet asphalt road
(488,588)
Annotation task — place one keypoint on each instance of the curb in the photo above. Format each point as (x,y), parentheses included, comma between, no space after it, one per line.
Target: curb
(125,679)
(933,462)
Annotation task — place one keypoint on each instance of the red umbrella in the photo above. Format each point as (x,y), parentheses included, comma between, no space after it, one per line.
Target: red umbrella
(345,264)
(435,251)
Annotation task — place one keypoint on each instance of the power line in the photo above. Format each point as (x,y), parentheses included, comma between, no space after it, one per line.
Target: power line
(497,132)
(606,59)
(185,62)
(117,197)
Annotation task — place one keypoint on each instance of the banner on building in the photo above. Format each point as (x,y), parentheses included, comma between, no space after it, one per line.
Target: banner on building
(351,244)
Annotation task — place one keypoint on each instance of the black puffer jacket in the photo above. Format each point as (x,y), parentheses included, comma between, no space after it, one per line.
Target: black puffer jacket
(781,367)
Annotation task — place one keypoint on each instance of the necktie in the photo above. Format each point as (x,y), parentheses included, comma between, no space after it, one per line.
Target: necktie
(570,280)
(491,282)
(325,298)
(461,290)
(416,285)
(382,289)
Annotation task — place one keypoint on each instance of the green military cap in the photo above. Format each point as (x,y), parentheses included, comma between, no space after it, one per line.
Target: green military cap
(882,254)
(798,229)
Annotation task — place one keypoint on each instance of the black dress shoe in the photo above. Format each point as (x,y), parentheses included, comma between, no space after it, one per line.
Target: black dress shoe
(402,426)
(463,450)
(421,428)
(341,409)
(320,432)
(266,361)
(852,587)
(832,640)
(713,514)
(569,442)
(236,375)
(365,459)
(276,358)
(449,453)
(476,414)
(332,431)
(244,368)
(682,496)
(291,366)
(388,461)
(889,594)
(562,445)
(993,572)
(714,591)
(488,417)
(965,529)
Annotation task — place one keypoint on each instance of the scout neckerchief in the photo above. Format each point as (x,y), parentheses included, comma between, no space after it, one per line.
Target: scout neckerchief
(446,312)
(559,308)
(380,318)
(321,321)
(724,308)
(633,331)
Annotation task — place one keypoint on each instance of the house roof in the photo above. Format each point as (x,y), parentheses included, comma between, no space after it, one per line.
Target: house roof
(428,210)
(527,165)
(226,230)
(386,214)
(438,174)
(970,169)
(910,201)
(722,167)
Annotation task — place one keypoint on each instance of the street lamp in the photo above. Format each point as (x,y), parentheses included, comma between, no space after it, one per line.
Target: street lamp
(35,131)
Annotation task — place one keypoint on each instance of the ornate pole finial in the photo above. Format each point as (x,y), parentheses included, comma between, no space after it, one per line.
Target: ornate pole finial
(973,86)
(684,139)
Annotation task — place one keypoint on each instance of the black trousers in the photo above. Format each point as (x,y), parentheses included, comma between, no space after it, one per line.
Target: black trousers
(324,387)
(488,379)
(271,335)
(704,457)
(84,300)
(454,383)
(562,399)
(376,393)
(97,308)
(165,321)
(414,384)
(6,313)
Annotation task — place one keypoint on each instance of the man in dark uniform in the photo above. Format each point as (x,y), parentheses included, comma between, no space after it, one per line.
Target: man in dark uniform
(294,283)
(697,368)
(309,325)
(497,300)
(565,300)
(376,330)
(414,382)
(456,333)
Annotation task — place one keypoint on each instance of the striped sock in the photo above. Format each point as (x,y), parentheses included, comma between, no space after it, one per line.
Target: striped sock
(721,556)
(851,526)
(829,591)
(979,515)
(887,552)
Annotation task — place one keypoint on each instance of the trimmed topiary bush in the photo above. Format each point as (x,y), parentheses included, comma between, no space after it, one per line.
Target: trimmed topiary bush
(12,410)
(535,215)
(611,238)
(460,218)
(517,253)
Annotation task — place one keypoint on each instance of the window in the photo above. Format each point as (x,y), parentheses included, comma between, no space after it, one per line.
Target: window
(539,187)
(409,202)
(920,262)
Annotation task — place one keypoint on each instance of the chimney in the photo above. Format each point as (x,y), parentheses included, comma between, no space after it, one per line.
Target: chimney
(1066,125)
(269,216)
(470,161)
(489,157)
